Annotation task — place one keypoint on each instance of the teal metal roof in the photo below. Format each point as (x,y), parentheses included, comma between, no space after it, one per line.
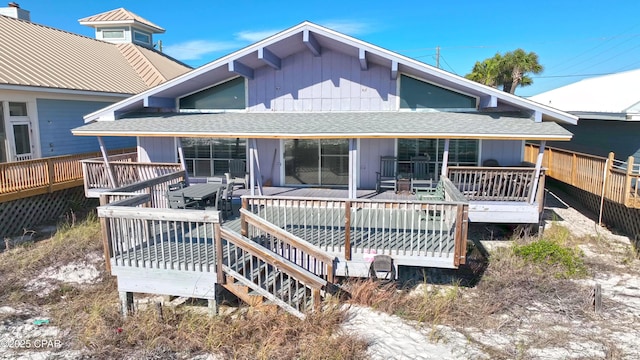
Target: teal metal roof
(330,125)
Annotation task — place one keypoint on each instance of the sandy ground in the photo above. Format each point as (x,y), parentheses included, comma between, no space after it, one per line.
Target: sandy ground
(614,334)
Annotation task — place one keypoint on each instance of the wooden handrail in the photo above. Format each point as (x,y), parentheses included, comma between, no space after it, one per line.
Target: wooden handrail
(595,174)
(38,176)
(274,259)
(258,222)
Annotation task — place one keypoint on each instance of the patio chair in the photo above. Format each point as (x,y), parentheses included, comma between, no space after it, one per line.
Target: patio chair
(387,177)
(215,180)
(224,199)
(179,201)
(421,177)
(382,264)
(177,186)
(237,173)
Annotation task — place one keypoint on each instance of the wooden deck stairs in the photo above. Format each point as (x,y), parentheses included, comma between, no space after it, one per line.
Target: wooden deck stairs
(264,271)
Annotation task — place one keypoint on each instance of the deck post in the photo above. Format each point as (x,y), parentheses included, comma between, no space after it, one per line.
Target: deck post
(347,230)
(107,164)
(181,158)
(51,174)
(316,299)
(218,240)
(353,169)
(536,176)
(106,238)
(126,303)
(212,304)
(445,158)
(244,225)
(627,181)
(459,241)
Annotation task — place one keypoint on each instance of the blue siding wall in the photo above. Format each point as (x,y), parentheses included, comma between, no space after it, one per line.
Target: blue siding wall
(56,118)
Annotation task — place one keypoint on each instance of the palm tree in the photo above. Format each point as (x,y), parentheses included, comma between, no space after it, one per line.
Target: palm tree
(519,63)
(486,72)
(509,70)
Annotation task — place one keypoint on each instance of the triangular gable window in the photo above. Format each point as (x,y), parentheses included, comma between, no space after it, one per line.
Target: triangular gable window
(416,94)
(228,95)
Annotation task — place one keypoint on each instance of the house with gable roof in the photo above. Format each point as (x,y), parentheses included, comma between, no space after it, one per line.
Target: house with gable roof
(50,78)
(359,160)
(609,110)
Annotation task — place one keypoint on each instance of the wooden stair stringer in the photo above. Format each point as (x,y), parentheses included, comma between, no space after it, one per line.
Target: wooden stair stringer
(264,293)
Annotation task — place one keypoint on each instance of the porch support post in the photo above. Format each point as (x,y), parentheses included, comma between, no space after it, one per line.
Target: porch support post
(254,167)
(252,174)
(107,165)
(445,158)
(536,176)
(353,168)
(183,163)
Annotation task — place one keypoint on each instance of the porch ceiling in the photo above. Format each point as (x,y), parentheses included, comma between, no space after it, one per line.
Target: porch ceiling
(329,125)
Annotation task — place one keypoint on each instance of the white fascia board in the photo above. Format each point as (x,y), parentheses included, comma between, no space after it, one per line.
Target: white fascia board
(321,135)
(60,91)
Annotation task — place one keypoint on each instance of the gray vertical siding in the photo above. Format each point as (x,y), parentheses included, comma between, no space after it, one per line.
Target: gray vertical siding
(56,118)
(331,82)
(269,159)
(370,151)
(507,152)
(157,149)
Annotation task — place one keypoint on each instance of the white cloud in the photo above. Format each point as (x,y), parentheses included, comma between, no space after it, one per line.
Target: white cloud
(348,27)
(254,36)
(196,49)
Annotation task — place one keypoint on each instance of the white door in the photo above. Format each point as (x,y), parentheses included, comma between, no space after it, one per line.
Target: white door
(22,141)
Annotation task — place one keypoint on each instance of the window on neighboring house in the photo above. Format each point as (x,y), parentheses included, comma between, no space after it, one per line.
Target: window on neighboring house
(113,34)
(209,157)
(17,109)
(141,37)
(228,95)
(417,94)
(462,152)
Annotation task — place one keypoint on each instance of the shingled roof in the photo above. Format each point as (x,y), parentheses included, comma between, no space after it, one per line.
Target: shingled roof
(42,56)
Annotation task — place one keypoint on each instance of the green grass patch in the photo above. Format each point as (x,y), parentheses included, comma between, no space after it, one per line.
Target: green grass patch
(568,261)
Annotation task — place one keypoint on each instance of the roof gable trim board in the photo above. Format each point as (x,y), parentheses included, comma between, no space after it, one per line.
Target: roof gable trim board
(308,30)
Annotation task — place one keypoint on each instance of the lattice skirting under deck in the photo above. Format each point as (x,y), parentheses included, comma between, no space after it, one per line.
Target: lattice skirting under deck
(25,214)
(624,219)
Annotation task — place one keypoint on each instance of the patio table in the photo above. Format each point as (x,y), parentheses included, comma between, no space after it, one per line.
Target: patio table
(201,193)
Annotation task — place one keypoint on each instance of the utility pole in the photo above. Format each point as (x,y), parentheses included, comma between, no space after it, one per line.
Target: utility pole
(438,57)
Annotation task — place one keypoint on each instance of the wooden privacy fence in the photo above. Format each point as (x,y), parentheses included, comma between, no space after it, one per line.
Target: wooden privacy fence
(33,177)
(612,179)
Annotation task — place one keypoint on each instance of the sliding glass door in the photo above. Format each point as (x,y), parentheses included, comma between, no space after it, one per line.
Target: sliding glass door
(316,162)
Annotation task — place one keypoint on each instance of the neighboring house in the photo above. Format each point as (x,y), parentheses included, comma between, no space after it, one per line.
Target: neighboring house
(609,110)
(50,78)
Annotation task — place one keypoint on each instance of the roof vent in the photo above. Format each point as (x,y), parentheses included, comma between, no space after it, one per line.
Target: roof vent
(13,10)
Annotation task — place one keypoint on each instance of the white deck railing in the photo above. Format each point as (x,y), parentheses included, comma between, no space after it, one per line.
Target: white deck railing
(409,228)
(493,183)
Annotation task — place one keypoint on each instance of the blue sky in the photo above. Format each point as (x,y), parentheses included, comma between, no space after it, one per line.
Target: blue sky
(574,39)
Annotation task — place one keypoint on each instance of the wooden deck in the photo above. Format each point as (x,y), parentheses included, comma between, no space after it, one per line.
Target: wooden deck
(22,179)
(615,180)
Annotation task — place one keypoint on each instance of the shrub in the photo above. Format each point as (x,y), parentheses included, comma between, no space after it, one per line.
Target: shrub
(546,252)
